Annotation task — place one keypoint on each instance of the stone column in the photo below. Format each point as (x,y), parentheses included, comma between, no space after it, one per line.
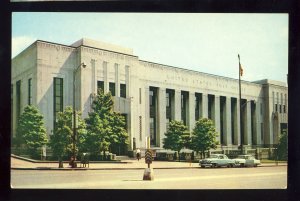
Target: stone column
(228,129)
(161,115)
(204,106)
(147,116)
(258,122)
(191,112)
(248,136)
(177,105)
(217,115)
(237,136)
(117,79)
(105,75)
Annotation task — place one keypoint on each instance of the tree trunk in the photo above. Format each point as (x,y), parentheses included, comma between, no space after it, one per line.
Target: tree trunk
(60,163)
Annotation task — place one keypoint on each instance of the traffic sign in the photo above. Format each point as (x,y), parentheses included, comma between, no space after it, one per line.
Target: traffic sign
(148,156)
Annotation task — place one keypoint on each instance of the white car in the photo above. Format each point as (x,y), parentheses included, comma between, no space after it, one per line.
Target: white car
(246,161)
(217,160)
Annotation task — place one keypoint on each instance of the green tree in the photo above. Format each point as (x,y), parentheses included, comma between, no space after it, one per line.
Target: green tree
(282,148)
(31,130)
(61,141)
(177,136)
(105,128)
(204,136)
(119,136)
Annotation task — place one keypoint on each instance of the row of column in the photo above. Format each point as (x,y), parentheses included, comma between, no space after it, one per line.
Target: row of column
(117,77)
(210,107)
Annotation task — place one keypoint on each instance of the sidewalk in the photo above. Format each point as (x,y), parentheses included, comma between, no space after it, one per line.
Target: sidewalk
(21,164)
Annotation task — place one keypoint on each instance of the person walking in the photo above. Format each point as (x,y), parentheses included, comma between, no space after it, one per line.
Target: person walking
(138,154)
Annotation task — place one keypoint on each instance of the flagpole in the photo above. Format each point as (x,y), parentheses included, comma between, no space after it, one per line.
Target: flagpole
(240,97)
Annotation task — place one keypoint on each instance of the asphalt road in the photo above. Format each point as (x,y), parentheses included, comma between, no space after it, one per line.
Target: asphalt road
(195,178)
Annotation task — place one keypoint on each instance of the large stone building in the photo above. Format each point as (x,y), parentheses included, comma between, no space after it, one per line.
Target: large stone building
(148,94)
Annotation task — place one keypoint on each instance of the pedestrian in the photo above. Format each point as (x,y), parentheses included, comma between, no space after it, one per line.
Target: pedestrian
(138,154)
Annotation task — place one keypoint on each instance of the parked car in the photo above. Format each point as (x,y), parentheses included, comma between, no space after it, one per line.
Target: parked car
(217,160)
(246,161)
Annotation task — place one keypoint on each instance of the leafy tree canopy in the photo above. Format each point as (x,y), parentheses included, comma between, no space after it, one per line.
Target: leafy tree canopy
(31,130)
(105,128)
(204,136)
(282,148)
(177,136)
(61,141)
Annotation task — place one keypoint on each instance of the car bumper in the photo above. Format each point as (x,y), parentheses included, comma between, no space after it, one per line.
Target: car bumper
(205,165)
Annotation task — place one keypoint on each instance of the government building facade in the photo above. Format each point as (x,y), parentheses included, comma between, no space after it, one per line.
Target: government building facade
(148,94)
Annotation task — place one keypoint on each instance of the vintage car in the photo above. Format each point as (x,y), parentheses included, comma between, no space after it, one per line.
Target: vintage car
(246,161)
(217,160)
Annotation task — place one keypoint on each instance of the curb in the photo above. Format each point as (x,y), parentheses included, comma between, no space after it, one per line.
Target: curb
(161,168)
(38,161)
(78,169)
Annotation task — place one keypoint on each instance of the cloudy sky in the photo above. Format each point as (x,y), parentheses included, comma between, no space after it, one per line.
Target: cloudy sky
(207,43)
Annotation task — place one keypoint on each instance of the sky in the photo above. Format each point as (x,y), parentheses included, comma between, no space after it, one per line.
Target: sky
(203,42)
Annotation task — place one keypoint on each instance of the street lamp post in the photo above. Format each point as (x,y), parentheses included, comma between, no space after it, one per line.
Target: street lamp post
(73,159)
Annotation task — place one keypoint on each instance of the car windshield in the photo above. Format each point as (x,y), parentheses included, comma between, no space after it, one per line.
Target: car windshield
(242,156)
(213,156)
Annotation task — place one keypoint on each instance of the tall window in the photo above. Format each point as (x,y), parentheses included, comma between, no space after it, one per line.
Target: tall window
(197,107)
(140,95)
(151,102)
(123,90)
(152,131)
(58,96)
(18,99)
(168,100)
(140,127)
(100,85)
(273,98)
(112,88)
(262,131)
(29,91)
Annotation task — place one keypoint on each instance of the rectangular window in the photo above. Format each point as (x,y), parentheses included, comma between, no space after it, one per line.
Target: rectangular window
(29,91)
(123,90)
(112,88)
(140,127)
(18,99)
(197,107)
(151,102)
(167,99)
(280,109)
(58,96)
(284,109)
(167,123)
(276,108)
(100,85)
(262,131)
(152,131)
(273,99)
(140,95)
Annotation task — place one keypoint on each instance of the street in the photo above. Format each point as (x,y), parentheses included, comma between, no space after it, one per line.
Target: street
(195,178)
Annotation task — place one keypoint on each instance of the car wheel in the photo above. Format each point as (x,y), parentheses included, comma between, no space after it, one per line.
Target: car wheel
(203,166)
(242,165)
(213,165)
